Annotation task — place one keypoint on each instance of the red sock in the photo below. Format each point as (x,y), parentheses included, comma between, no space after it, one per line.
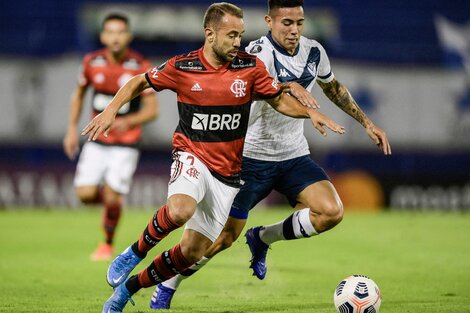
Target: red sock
(159,227)
(111,216)
(164,267)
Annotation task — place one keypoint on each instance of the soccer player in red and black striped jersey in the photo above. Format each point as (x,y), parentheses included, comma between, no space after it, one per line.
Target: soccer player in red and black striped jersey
(106,166)
(215,86)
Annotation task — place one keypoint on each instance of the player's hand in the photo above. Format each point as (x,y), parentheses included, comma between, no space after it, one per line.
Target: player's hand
(380,139)
(320,121)
(99,125)
(71,145)
(301,94)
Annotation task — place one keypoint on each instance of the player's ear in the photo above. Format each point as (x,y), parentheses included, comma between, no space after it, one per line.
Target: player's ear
(268,19)
(210,34)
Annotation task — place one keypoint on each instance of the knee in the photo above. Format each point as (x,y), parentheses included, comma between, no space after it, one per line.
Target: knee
(334,212)
(180,214)
(87,195)
(181,208)
(330,215)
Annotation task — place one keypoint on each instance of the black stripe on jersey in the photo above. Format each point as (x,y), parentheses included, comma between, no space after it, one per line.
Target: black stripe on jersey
(309,71)
(232,181)
(269,97)
(213,123)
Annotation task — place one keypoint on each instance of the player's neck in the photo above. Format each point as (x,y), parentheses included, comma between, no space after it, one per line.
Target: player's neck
(116,57)
(210,58)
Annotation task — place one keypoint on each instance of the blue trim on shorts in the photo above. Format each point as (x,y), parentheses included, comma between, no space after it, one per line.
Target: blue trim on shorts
(288,177)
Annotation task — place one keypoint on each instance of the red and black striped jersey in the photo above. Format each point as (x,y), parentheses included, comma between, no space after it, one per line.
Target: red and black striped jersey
(214,106)
(106,77)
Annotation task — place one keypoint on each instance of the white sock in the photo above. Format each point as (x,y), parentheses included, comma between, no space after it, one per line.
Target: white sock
(296,226)
(175,281)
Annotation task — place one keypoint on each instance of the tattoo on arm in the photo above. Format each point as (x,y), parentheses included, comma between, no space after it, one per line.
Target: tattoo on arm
(339,95)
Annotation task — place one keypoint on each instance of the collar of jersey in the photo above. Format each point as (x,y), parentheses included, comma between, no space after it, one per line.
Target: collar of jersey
(279,48)
(106,54)
(207,64)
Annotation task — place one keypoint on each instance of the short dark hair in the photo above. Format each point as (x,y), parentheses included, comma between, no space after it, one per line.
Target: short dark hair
(276,4)
(216,11)
(115,16)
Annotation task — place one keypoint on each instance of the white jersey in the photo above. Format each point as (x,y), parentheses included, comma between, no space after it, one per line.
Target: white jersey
(271,135)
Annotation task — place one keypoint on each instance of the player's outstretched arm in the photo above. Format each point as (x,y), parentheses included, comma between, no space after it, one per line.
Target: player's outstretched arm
(339,95)
(290,106)
(300,93)
(102,122)
(147,113)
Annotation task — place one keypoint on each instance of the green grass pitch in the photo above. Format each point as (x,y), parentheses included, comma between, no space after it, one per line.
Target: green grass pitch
(421,262)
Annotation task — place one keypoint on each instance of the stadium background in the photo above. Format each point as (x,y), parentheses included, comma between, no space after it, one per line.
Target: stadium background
(407,63)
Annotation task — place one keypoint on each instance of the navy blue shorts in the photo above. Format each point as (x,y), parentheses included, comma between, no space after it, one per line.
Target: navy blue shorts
(288,177)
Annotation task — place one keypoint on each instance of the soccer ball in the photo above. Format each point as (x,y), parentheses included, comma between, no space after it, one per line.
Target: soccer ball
(357,294)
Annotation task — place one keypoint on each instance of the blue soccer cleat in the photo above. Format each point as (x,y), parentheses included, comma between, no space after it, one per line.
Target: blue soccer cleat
(118,300)
(258,252)
(161,298)
(121,267)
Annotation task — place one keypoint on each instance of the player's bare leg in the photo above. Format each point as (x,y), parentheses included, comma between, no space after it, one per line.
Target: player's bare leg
(319,210)
(174,214)
(90,194)
(166,265)
(112,208)
(163,294)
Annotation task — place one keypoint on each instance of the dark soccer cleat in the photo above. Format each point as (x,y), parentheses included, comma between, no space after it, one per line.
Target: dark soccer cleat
(258,252)
(161,298)
(118,300)
(121,267)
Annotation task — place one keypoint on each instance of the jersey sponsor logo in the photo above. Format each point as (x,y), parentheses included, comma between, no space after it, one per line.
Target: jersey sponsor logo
(238,88)
(190,65)
(215,121)
(196,87)
(283,73)
(239,63)
(256,49)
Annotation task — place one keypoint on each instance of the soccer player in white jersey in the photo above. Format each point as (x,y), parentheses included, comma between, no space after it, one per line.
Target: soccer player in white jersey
(276,153)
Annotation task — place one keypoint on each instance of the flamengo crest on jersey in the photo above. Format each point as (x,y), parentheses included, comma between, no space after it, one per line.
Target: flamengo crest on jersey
(272,136)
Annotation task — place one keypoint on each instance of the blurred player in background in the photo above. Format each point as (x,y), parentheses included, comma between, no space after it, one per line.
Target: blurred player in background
(106,166)
(215,86)
(276,153)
